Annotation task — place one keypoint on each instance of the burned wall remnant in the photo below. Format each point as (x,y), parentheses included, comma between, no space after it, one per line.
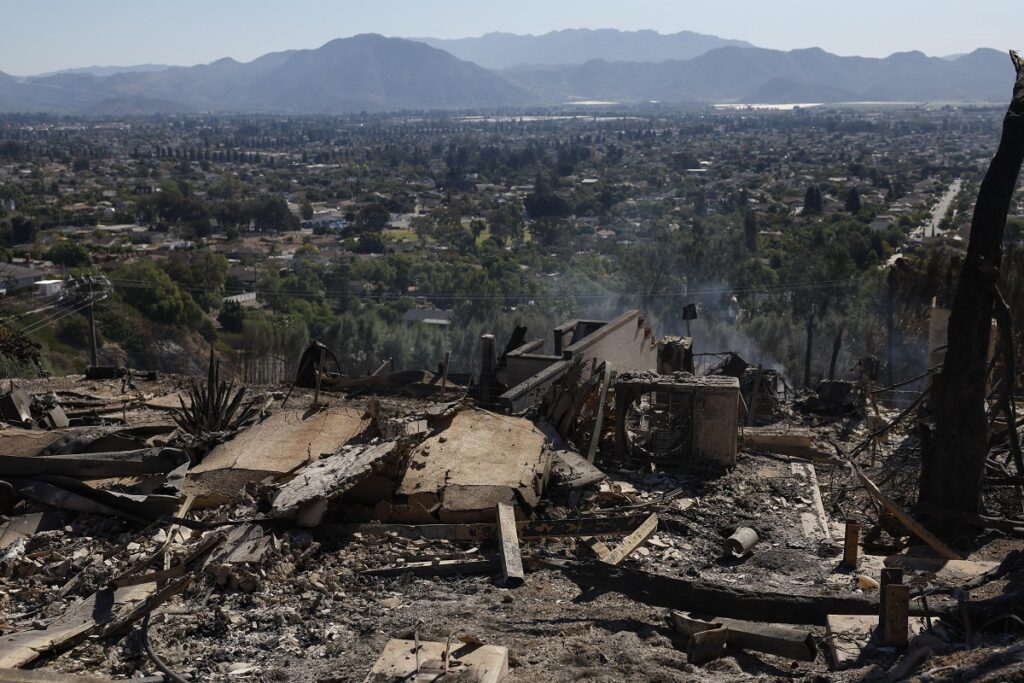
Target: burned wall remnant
(675,354)
(679,418)
(525,373)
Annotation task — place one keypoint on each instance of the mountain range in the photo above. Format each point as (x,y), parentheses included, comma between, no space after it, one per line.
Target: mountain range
(577,46)
(373,73)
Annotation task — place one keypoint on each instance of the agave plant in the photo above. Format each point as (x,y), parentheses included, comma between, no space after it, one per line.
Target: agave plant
(215,410)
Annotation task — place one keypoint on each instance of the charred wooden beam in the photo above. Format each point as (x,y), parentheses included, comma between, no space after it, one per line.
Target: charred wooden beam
(783,608)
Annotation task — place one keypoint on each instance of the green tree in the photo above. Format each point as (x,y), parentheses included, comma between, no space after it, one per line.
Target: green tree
(232,316)
(68,254)
(543,202)
(853,201)
(373,217)
(202,273)
(153,293)
(23,230)
(507,224)
(750,231)
(813,203)
(271,214)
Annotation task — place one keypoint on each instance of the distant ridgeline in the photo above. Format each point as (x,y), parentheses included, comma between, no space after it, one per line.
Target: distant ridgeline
(372,73)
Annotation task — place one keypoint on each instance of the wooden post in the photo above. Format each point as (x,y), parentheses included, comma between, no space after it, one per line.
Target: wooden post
(752,410)
(850,545)
(595,438)
(897,615)
(444,374)
(890,577)
(508,544)
(623,398)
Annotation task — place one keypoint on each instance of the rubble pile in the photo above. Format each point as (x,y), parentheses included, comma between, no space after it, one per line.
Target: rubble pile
(389,530)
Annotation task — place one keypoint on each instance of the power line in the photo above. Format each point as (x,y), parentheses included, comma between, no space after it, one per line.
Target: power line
(763,289)
(38,325)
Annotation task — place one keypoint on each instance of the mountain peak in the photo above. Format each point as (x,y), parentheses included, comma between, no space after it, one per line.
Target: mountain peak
(578,46)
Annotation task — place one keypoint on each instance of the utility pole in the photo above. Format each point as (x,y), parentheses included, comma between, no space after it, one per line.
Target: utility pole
(92,325)
(810,342)
(837,344)
(890,326)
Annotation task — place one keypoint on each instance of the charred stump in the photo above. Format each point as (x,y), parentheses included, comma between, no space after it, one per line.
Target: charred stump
(953,462)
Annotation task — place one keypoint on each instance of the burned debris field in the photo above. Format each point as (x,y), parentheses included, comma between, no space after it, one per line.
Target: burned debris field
(595,392)
(629,520)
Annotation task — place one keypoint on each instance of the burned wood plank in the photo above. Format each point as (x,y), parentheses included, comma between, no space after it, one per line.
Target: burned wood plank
(819,505)
(330,478)
(912,525)
(599,548)
(439,567)
(748,635)
(508,545)
(484,531)
(706,645)
(633,541)
(595,438)
(782,608)
(693,596)
(103,608)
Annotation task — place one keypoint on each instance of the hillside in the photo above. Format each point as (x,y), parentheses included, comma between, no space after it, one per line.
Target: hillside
(367,72)
(375,74)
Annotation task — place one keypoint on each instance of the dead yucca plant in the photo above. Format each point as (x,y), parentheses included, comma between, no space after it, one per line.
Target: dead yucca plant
(215,411)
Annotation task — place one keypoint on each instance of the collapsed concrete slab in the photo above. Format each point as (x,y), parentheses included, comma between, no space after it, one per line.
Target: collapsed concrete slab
(278,445)
(482,459)
(307,495)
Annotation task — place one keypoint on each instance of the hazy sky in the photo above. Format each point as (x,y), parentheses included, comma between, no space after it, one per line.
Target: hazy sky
(45,35)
